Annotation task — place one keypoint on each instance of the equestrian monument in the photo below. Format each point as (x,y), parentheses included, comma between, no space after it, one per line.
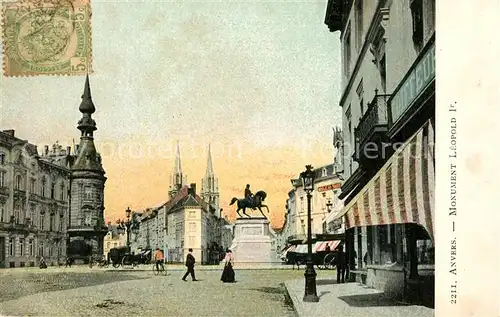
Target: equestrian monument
(253,238)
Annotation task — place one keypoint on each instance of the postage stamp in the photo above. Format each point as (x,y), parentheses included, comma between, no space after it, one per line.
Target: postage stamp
(46,37)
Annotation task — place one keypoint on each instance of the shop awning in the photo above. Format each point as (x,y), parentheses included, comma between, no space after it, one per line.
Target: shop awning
(321,245)
(403,189)
(336,212)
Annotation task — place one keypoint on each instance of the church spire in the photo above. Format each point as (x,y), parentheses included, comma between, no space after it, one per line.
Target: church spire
(210,171)
(209,185)
(178,167)
(178,179)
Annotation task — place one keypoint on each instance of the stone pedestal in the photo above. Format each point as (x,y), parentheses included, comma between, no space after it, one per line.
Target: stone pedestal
(253,242)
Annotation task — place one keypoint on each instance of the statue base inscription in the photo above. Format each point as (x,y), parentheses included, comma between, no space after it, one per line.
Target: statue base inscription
(253,241)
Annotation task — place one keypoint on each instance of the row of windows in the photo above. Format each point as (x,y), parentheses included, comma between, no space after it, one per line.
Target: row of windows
(42,224)
(24,249)
(19,185)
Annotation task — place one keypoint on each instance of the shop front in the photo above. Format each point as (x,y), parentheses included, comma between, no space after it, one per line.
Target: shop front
(390,222)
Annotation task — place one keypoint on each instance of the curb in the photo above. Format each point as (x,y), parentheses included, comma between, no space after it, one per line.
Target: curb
(289,298)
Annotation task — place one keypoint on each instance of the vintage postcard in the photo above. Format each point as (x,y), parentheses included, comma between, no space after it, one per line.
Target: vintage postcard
(46,37)
(243,158)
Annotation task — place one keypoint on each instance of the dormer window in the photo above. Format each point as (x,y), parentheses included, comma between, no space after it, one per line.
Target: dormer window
(324,172)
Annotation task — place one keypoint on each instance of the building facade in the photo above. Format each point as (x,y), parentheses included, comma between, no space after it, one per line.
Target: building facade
(325,195)
(186,220)
(51,199)
(86,228)
(388,74)
(113,239)
(34,205)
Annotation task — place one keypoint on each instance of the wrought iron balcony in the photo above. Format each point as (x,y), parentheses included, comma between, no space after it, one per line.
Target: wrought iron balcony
(371,130)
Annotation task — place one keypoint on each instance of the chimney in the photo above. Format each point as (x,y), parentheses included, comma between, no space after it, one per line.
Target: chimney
(192,189)
(68,150)
(45,150)
(9,132)
(36,149)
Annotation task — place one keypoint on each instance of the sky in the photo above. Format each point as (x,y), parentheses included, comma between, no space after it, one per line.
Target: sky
(259,81)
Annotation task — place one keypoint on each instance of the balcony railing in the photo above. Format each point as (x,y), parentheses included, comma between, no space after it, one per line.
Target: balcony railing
(373,122)
(375,117)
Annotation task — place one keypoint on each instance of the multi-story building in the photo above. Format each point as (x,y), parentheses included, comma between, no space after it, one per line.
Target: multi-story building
(332,223)
(114,238)
(326,186)
(86,228)
(49,200)
(186,220)
(388,72)
(33,203)
(288,228)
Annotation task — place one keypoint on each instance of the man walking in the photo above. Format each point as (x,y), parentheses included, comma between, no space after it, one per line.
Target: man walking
(190,261)
(341,262)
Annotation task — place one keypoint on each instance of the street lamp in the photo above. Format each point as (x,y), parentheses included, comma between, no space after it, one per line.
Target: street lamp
(310,294)
(128,225)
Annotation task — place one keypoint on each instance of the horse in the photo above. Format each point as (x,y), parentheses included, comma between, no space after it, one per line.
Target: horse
(258,198)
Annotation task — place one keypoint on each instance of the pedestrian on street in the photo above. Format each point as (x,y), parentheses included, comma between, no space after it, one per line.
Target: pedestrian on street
(190,261)
(228,272)
(341,262)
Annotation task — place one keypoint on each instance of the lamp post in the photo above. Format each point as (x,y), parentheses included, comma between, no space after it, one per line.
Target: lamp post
(310,294)
(128,226)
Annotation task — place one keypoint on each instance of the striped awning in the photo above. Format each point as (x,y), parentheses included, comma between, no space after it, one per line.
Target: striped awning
(403,189)
(291,248)
(321,245)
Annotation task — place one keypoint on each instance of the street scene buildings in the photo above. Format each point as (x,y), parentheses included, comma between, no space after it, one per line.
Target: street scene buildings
(362,222)
(51,203)
(189,219)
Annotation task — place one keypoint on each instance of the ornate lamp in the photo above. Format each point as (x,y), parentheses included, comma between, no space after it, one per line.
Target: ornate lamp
(310,294)
(329,205)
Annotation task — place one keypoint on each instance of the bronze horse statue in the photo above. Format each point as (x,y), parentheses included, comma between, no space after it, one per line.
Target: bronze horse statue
(258,198)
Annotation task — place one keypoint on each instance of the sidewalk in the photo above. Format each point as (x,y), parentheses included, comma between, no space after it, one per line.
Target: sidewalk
(349,300)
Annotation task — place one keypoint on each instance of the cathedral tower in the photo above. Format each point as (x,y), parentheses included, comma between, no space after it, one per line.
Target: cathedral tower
(86,228)
(210,185)
(177,179)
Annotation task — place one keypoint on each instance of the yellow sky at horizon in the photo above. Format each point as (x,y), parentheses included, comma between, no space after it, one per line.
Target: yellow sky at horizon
(270,170)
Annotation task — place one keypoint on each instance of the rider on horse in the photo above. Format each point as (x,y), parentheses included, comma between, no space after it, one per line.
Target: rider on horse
(249,196)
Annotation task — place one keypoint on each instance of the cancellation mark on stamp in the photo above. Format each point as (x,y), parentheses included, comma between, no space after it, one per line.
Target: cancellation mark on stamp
(47,37)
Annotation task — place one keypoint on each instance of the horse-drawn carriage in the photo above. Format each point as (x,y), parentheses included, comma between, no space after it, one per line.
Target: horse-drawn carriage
(122,256)
(323,255)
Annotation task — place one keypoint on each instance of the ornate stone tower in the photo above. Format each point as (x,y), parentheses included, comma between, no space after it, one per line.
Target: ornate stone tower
(177,180)
(210,185)
(86,218)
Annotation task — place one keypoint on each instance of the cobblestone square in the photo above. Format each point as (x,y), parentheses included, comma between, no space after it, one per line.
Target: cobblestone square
(81,291)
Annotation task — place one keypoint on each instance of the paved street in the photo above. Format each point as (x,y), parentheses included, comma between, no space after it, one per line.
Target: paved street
(80,291)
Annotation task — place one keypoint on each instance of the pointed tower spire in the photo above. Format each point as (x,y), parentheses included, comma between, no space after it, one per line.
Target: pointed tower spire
(209,185)
(178,167)
(210,170)
(178,180)
(87,106)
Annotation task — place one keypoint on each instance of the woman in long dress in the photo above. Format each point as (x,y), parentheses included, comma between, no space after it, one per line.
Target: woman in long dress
(228,272)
